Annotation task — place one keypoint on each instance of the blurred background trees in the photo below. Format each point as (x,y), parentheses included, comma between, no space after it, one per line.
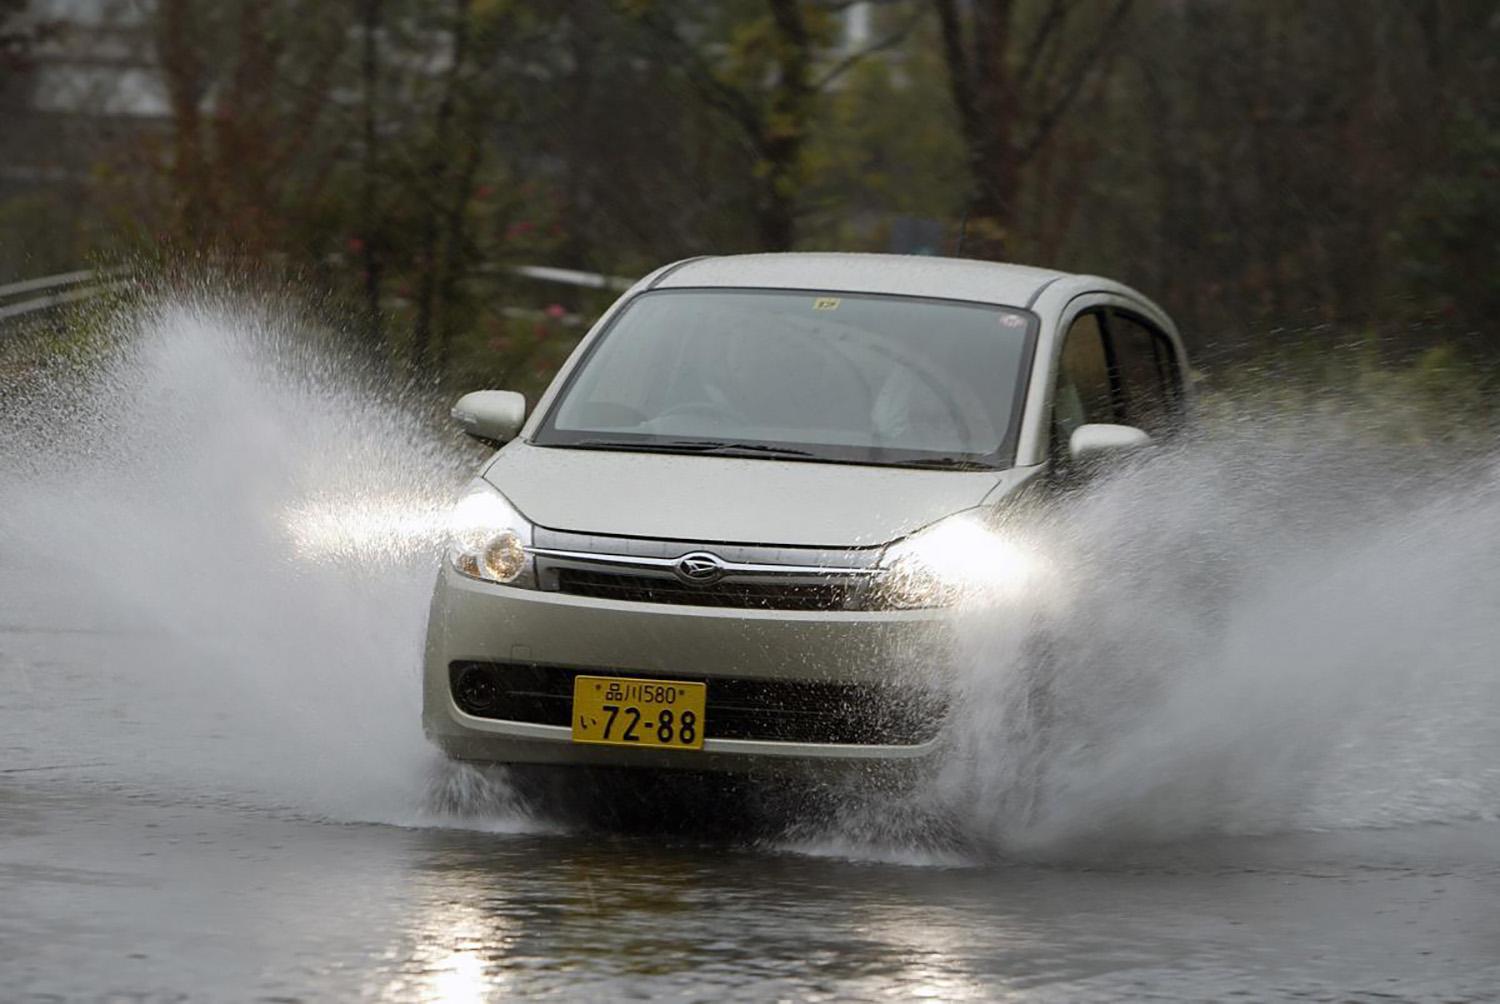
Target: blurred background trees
(1282,175)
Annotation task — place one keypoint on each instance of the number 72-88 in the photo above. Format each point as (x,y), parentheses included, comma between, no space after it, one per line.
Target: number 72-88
(667,727)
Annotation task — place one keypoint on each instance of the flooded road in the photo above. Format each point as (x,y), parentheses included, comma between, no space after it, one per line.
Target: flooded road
(120,880)
(1270,769)
(136,895)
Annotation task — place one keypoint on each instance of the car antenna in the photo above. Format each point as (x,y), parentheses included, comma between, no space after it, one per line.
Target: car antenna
(963,231)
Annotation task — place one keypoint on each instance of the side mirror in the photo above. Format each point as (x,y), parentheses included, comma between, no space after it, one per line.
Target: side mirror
(491,416)
(1100,441)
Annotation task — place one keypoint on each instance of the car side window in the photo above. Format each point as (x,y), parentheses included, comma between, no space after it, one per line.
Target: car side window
(1151,385)
(1084,390)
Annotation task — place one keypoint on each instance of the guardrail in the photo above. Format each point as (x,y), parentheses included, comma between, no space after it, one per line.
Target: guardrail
(572,277)
(71,287)
(56,290)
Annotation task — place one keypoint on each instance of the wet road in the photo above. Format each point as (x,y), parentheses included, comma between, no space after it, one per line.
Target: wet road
(136,865)
(215,559)
(110,894)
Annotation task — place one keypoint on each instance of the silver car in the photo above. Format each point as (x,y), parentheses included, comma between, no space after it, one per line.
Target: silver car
(734,530)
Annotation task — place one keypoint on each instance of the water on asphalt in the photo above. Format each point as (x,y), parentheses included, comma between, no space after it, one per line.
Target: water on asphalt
(1268,764)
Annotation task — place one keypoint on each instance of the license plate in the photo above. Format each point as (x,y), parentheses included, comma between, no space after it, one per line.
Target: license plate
(616,711)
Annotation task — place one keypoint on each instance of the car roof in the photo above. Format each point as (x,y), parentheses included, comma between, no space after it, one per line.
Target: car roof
(905,275)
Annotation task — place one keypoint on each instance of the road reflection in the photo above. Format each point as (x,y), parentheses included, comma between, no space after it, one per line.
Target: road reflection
(182,901)
(570,916)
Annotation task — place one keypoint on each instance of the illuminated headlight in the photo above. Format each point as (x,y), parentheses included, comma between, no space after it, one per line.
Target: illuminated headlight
(489,540)
(960,559)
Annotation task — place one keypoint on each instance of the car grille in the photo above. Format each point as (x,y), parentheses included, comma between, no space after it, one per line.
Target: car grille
(769,710)
(754,576)
(735,594)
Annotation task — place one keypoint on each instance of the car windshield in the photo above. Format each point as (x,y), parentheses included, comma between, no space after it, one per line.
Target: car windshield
(853,378)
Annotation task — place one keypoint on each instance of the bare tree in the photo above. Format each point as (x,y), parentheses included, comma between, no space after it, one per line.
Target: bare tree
(371,230)
(1015,69)
(444,200)
(770,94)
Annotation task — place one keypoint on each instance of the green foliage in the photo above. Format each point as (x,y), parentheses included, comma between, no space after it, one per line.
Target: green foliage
(1449,235)
(1282,176)
(884,145)
(1440,396)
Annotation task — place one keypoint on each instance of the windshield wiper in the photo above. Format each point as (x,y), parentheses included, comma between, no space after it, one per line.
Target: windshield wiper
(718,447)
(729,447)
(947,464)
(605,444)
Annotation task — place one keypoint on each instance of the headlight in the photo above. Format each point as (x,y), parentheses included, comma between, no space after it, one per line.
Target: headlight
(489,540)
(960,559)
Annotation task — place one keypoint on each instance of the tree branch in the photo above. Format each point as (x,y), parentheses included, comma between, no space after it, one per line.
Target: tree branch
(960,72)
(721,95)
(850,61)
(1081,72)
(1055,14)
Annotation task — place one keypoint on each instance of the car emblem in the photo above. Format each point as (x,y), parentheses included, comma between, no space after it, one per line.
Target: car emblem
(699,568)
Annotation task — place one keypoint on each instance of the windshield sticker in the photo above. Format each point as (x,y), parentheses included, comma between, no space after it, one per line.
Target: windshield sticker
(1012,320)
(827,303)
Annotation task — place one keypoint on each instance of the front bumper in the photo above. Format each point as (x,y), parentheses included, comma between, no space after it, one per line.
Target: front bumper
(473,621)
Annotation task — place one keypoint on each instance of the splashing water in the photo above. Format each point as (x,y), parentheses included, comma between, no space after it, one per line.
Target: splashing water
(230,531)
(1256,635)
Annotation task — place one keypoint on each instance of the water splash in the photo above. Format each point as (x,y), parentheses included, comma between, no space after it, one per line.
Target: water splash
(1257,636)
(226,528)
(219,538)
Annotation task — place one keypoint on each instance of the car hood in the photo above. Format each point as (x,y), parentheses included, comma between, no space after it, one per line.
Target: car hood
(730,499)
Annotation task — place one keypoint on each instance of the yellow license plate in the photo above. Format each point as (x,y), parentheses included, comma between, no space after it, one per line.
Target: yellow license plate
(616,711)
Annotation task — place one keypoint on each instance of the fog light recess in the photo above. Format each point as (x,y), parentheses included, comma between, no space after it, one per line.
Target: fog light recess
(475,690)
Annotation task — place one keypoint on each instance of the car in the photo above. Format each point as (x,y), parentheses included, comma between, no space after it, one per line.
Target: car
(735,530)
